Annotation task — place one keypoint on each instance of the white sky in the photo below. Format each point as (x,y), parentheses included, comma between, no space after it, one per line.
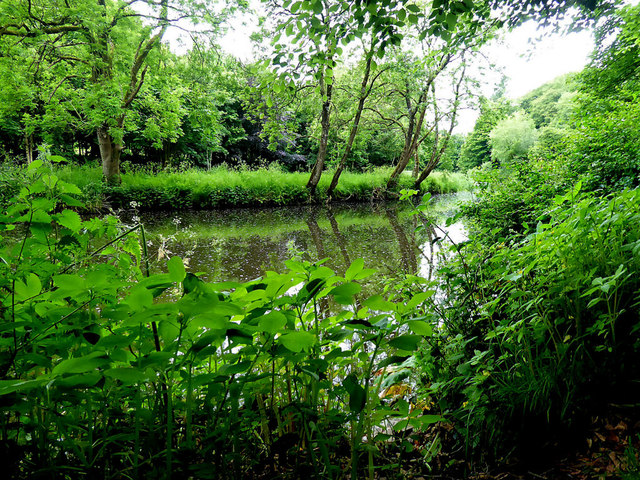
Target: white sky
(528,65)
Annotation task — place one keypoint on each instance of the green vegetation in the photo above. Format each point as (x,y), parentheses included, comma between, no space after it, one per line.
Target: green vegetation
(526,339)
(221,187)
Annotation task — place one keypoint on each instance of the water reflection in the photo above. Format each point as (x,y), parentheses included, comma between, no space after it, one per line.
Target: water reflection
(242,244)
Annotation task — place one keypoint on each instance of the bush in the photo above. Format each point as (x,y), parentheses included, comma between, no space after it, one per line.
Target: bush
(539,334)
(509,199)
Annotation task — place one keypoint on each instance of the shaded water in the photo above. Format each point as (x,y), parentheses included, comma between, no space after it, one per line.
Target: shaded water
(241,244)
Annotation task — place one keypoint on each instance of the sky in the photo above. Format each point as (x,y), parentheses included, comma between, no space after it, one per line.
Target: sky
(529,66)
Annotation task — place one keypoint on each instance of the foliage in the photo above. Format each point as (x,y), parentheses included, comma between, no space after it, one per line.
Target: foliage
(550,103)
(104,369)
(223,187)
(511,199)
(512,138)
(540,332)
(476,149)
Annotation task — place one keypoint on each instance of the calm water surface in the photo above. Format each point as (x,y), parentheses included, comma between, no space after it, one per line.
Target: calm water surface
(241,244)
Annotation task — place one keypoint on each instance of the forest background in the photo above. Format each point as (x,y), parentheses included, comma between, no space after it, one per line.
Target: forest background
(520,351)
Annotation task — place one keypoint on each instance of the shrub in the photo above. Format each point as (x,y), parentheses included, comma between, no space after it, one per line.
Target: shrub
(538,334)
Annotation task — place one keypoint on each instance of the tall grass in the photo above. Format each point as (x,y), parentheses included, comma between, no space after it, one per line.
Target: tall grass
(221,187)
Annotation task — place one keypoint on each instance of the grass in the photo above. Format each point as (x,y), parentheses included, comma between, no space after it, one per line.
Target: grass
(221,187)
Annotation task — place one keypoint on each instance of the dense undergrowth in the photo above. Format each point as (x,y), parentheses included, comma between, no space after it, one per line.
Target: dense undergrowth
(289,375)
(221,187)
(542,332)
(112,371)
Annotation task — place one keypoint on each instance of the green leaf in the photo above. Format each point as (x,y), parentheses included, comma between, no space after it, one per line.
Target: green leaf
(10,386)
(84,380)
(344,293)
(297,341)
(377,302)
(420,327)
(272,322)
(357,394)
(69,219)
(84,364)
(419,298)
(355,267)
(168,331)
(177,272)
(235,368)
(128,376)
(393,360)
(29,288)
(139,298)
(70,284)
(408,343)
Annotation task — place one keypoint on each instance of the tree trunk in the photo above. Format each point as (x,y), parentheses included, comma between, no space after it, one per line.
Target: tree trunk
(110,155)
(166,154)
(356,123)
(316,172)
(410,145)
(28,145)
(437,153)
(416,165)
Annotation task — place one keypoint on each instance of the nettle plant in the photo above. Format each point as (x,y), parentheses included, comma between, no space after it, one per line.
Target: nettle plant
(108,369)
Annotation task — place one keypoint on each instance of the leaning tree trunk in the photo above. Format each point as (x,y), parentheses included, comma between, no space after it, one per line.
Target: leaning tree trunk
(416,164)
(364,93)
(410,144)
(437,153)
(110,154)
(316,173)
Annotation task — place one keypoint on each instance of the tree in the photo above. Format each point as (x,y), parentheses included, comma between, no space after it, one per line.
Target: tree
(316,32)
(512,138)
(477,146)
(543,104)
(103,44)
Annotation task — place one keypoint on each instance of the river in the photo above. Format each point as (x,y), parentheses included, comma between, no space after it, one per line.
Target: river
(241,244)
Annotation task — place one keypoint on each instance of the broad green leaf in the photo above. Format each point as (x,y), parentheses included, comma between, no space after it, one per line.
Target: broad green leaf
(10,386)
(29,288)
(235,368)
(377,302)
(356,266)
(139,298)
(419,298)
(420,327)
(272,322)
(168,331)
(297,341)
(128,376)
(69,219)
(408,343)
(176,269)
(84,380)
(357,394)
(84,364)
(70,283)
(344,293)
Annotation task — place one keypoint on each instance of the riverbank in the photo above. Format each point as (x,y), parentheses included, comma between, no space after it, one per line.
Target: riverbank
(224,188)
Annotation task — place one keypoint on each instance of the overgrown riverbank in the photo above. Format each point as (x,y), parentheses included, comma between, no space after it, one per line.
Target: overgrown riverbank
(304,373)
(222,188)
